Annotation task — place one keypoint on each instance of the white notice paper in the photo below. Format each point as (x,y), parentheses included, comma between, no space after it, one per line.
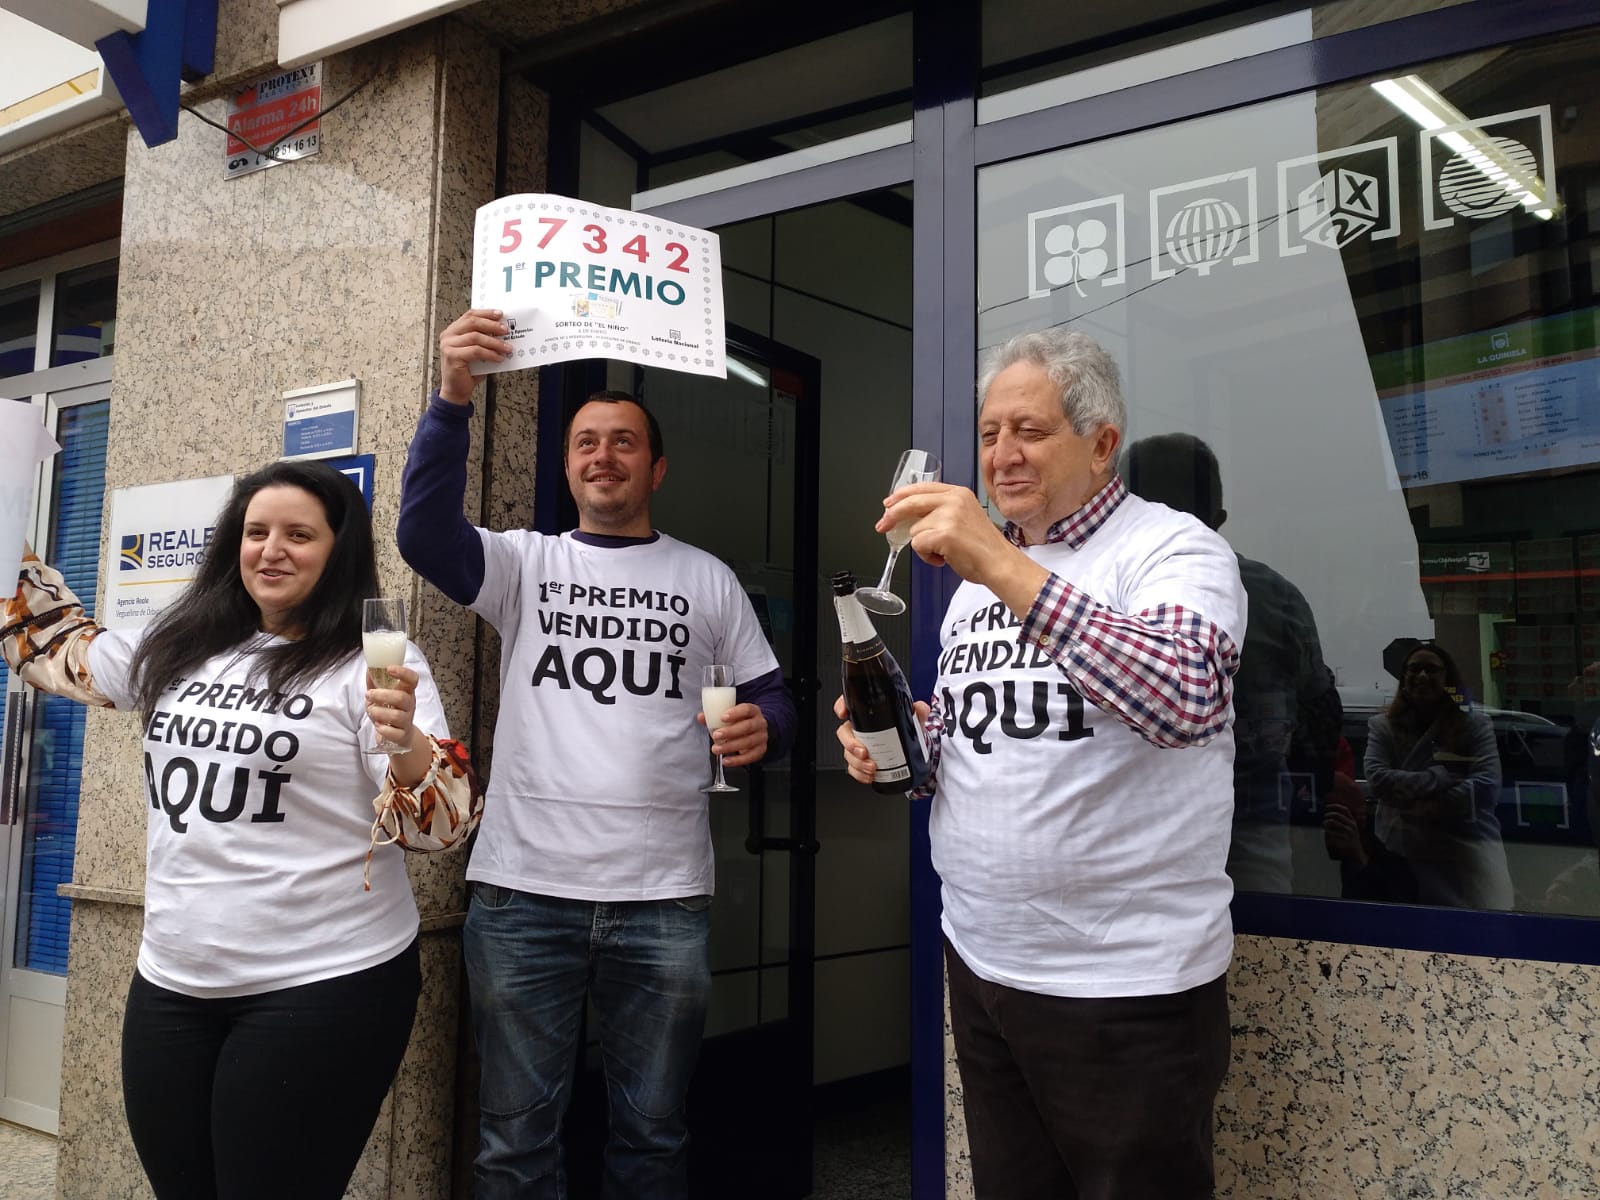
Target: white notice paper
(24,444)
(578,280)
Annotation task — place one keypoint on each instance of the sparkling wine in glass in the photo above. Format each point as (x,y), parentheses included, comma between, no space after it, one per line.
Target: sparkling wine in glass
(915,466)
(717,696)
(383,643)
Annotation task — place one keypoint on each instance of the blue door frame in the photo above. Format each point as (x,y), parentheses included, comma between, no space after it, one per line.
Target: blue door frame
(941,162)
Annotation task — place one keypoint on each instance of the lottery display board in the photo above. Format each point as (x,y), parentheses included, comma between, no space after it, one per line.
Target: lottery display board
(578,280)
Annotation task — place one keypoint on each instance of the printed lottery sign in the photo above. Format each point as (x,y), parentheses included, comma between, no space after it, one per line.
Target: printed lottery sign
(577,280)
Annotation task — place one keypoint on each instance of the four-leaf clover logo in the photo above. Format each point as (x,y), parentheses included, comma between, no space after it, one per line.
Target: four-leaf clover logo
(1076,254)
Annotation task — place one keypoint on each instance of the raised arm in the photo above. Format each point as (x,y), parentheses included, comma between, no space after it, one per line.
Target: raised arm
(1164,668)
(433,534)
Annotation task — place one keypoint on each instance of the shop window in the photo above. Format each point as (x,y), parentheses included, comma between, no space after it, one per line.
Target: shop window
(19,328)
(85,315)
(1360,336)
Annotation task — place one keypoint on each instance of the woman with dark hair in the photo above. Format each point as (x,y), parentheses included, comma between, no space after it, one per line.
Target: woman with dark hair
(275,989)
(1432,767)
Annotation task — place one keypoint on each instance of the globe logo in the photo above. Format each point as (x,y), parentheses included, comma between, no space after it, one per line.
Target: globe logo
(1475,182)
(1203,233)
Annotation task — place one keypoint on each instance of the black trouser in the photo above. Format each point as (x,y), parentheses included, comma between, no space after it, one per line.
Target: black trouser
(263,1097)
(1088,1099)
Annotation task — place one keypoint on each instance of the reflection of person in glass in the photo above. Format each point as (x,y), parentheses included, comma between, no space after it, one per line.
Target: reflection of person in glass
(1434,771)
(1367,871)
(1286,708)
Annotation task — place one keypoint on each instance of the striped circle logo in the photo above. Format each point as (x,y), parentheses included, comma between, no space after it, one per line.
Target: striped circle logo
(1475,183)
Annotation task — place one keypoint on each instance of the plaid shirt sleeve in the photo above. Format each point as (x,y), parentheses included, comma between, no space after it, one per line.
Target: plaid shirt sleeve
(1165,672)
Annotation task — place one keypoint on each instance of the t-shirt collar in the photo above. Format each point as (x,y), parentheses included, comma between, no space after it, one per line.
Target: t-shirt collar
(1078,527)
(613,541)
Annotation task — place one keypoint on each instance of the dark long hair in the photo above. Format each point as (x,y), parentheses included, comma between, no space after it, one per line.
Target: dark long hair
(216,613)
(1409,723)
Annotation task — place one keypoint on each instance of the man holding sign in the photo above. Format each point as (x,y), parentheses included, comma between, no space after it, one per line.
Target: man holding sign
(592,873)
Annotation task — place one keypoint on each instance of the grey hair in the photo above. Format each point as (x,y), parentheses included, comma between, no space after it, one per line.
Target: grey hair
(1082,371)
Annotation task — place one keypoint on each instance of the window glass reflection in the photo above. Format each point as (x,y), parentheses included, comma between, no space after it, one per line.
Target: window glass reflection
(844,94)
(1037,54)
(1360,338)
(85,317)
(19,328)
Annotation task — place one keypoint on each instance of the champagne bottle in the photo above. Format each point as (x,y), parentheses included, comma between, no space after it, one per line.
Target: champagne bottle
(877,698)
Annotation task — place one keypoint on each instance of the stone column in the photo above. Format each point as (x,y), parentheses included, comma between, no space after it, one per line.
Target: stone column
(232,292)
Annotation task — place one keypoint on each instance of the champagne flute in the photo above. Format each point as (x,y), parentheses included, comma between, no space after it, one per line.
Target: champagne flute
(383,644)
(717,696)
(915,466)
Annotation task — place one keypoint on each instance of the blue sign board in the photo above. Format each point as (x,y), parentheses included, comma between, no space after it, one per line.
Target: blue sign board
(317,435)
(359,468)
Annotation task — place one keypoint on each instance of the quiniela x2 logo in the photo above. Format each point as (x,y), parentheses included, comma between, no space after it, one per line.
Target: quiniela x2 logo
(1339,196)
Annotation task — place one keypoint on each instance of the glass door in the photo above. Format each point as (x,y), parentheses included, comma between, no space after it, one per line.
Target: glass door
(743,452)
(804,1082)
(741,483)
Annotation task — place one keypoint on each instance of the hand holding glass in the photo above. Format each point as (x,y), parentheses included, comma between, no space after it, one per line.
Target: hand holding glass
(383,643)
(717,696)
(915,466)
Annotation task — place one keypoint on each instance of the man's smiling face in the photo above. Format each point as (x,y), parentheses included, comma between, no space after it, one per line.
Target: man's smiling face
(609,469)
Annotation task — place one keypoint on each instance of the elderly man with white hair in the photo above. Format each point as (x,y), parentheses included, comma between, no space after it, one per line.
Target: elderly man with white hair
(1082,793)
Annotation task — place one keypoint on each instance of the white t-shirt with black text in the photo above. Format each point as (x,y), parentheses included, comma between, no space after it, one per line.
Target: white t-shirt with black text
(259,815)
(599,761)
(1078,859)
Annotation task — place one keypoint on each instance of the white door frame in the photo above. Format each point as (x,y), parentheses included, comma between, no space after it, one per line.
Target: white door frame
(32,1003)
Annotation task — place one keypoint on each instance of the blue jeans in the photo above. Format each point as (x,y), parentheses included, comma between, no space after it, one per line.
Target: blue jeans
(531,962)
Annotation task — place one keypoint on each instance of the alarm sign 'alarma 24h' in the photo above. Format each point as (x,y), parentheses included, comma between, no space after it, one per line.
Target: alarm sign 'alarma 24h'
(280,114)
(577,280)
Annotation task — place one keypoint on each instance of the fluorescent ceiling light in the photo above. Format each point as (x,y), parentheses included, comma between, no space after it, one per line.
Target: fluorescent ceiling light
(1432,111)
(748,374)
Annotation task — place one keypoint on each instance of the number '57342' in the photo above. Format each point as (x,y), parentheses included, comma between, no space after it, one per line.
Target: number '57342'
(594,241)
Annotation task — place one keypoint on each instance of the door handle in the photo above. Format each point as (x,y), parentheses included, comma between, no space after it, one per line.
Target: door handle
(757,840)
